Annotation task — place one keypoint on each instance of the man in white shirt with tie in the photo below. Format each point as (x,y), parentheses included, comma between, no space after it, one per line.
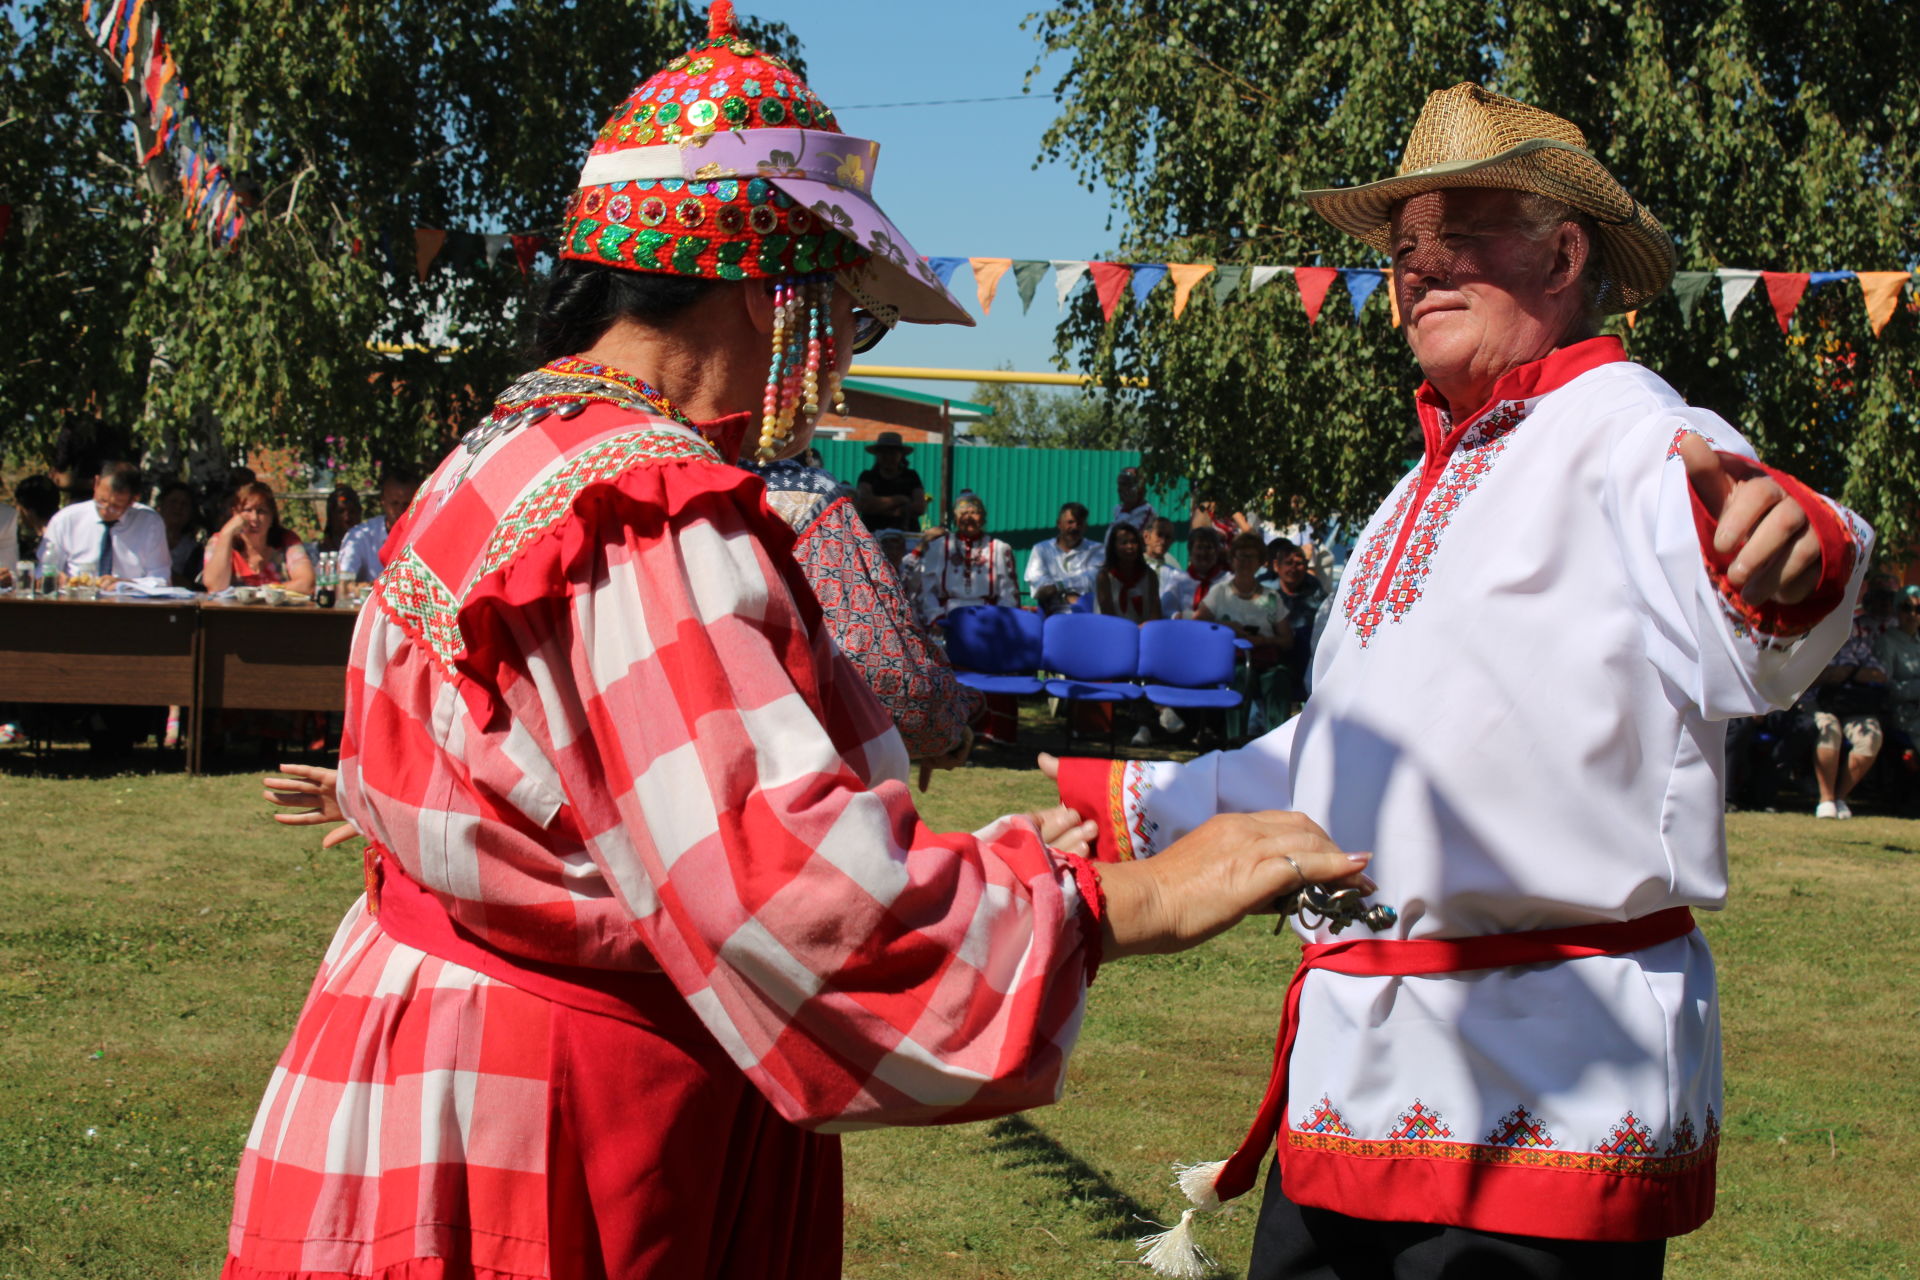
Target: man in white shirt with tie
(120,537)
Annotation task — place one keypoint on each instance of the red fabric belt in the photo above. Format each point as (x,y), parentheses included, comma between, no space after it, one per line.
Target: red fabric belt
(411,914)
(1381,957)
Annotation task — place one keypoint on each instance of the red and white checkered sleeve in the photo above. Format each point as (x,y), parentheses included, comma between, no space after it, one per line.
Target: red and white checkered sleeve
(859,967)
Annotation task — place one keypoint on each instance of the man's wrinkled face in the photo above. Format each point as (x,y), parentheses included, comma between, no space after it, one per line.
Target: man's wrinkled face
(109,504)
(1292,568)
(1069,528)
(1472,287)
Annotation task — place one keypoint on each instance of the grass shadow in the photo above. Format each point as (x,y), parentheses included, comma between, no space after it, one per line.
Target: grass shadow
(1020,1144)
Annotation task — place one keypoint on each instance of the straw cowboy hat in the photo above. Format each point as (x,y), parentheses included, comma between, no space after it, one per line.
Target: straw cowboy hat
(1469,137)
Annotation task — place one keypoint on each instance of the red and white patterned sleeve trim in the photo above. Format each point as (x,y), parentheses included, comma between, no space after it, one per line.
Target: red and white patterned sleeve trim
(861,968)
(1097,791)
(1839,548)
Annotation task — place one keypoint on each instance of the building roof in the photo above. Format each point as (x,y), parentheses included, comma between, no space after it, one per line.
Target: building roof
(959,408)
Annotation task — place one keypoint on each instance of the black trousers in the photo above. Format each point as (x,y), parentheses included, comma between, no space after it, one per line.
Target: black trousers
(1296,1243)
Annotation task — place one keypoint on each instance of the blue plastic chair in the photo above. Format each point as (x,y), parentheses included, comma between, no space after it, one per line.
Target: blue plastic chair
(1096,656)
(995,649)
(1185,664)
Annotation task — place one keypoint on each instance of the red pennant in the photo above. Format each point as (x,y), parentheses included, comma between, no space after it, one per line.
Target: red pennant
(1314,283)
(525,246)
(1109,283)
(6,219)
(1784,290)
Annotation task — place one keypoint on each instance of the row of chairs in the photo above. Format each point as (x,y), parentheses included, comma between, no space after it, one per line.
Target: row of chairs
(1176,663)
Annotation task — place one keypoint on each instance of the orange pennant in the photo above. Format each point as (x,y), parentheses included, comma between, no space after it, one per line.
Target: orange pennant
(1784,291)
(426,247)
(1881,290)
(1631,317)
(986,279)
(1185,276)
(1393,301)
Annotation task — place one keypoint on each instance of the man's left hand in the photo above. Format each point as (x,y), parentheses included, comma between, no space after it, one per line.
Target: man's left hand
(1776,556)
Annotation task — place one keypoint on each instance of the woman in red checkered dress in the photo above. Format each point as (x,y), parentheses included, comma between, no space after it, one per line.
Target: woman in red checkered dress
(650,915)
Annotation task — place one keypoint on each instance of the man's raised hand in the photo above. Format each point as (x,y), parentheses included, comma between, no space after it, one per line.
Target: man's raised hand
(1776,556)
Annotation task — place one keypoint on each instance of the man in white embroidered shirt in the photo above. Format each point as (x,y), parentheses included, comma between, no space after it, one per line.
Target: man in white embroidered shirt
(1519,707)
(1062,569)
(113,537)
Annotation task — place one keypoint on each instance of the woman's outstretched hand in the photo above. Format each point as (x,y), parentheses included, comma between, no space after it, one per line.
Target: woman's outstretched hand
(1228,868)
(311,791)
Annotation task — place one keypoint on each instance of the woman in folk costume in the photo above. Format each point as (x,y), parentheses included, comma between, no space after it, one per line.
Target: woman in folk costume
(964,566)
(649,913)
(1519,704)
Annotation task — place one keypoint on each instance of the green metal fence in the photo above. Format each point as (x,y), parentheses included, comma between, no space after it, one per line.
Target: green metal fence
(1023,488)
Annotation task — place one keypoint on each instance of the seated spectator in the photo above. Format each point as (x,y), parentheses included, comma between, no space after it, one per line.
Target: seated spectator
(35,499)
(1062,569)
(113,537)
(343,512)
(1848,699)
(9,543)
(1157,545)
(965,566)
(1206,565)
(1127,587)
(1133,507)
(1255,614)
(252,549)
(360,549)
(889,495)
(1898,653)
(181,520)
(1301,595)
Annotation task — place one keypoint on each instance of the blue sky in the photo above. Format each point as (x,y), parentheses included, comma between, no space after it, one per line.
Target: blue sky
(958,180)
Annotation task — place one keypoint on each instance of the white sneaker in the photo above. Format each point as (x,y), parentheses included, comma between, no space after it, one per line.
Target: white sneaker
(1826,809)
(1841,810)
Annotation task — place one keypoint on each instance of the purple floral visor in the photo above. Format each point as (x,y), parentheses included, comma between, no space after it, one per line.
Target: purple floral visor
(830,173)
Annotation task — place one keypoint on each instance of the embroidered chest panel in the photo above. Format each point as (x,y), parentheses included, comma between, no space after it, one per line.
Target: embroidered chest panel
(1384,588)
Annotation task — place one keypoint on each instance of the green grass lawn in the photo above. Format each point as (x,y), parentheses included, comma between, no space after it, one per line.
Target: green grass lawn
(159,934)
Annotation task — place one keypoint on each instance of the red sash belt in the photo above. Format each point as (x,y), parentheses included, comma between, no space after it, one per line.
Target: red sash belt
(1381,957)
(411,914)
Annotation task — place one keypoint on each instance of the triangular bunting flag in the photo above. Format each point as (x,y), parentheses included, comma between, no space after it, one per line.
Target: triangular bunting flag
(1687,288)
(1260,276)
(1735,284)
(1817,278)
(1784,290)
(526,246)
(426,246)
(495,244)
(945,267)
(1066,274)
(6,219)
(463,249)
(1393,305)
(1630,317)
(1185,276)
(1145,276)
(1361,282)
(1109,282)
(986,279)
(1881,291)
(1026,274)
(1314,283)
(1225,281)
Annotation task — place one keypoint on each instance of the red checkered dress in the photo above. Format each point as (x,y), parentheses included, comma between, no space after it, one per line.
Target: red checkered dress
(594,711)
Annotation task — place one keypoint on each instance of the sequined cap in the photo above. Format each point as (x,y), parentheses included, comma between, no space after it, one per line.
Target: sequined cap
(726,165)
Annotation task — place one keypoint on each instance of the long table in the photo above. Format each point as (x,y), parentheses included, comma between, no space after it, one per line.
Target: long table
(207,655)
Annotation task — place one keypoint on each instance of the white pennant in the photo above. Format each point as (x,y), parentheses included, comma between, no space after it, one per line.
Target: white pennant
(1257,276)
(1066,274)
(494,245)
(1735,284)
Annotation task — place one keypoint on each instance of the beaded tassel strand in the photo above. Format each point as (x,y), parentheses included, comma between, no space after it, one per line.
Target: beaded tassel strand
(802,346)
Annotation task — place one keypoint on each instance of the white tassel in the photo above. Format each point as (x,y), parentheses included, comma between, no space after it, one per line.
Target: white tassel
(1173,1253)
(1196,1182)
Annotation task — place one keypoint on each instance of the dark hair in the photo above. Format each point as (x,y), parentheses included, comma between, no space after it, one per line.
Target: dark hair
(39,495)
(1203,533)
(1249,541)
(584,299)
(403,475)
(1162,526)
(122,477)
(1079,510)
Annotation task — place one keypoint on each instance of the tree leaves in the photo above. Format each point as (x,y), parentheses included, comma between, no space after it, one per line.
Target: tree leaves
(1775,136)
